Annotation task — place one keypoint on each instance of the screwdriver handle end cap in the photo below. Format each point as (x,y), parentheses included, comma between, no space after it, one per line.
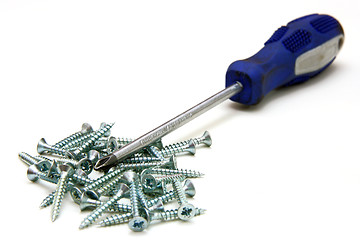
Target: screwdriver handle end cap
(294,53)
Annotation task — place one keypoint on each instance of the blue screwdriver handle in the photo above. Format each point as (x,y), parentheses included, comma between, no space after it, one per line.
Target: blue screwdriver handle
(294,53)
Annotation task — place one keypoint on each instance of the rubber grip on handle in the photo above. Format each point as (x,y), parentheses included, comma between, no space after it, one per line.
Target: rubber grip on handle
(293,54)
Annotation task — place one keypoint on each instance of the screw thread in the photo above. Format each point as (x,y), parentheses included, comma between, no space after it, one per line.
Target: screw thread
(176,148)
(140,166)
(170,178)
(78,141)
(27,158)
(172,214)
(167,197)
(69,139)
(134,199)
(116,219)
(109,186)
(58,151)
(186,172)
(89,143)
(59,195)
(80,179)
(156,152)
(144,159)
(100,210)
(179,192)
(48,200)
(103,179)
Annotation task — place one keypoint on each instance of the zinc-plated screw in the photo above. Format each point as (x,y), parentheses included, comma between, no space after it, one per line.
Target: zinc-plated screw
(34,173)
(76,192)
(188,188)
(156,152)
(204,139)
(84,164)
(102,208)
(137,223)
(87,202)
(151,182)
(179,148)
(96,193)
(49,199)
(87,145)
(171,164)
(186,172)
(43,146)
(142,159)
(66,170)
(85,129)
(127,217)
(173,214)
(186,211)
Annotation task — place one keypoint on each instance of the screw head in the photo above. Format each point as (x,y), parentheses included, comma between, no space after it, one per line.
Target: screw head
(42,146)
(44,166)
(186,211)
(207,139)
(86,128)
(191,147)
(86,202)
(111,145)
(138,224)
(86,165)
(67,167)
(148,181)
(32,173)
(129,177)
(93,156)
(189,188)
(76,194)
(171,163)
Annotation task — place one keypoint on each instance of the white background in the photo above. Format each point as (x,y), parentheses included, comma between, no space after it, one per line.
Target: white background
(288,168)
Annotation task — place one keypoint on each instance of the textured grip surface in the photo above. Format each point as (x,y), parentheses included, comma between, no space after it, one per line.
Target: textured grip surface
(293,54)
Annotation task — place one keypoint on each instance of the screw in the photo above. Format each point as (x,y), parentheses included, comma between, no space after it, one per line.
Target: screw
(186,211)
(188,188)
(179,148)
(66,170)
(137,223)
(186,172)
(87,202)
(205,139)
(127,217)
(102,208)
(77,192)
(43,146)
(87,145)
(151,182)
(49,199)
(172,214)
(34,173)
(95,194)
(85,129)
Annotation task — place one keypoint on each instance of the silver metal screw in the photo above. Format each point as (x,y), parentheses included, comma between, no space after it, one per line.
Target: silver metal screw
(87,145)
(137,223)
(66,170)
(43,146)
(186,211)
(102,208)
(179,148)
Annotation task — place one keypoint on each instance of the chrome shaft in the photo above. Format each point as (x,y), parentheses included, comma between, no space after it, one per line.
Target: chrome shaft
(169,126)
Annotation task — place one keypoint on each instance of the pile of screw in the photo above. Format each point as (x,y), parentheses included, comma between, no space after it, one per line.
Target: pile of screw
(134,191)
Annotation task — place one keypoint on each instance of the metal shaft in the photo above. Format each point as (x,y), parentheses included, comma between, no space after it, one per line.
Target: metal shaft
(169,126)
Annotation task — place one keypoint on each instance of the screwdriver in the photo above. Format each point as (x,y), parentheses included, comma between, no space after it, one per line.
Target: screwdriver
(294,53)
